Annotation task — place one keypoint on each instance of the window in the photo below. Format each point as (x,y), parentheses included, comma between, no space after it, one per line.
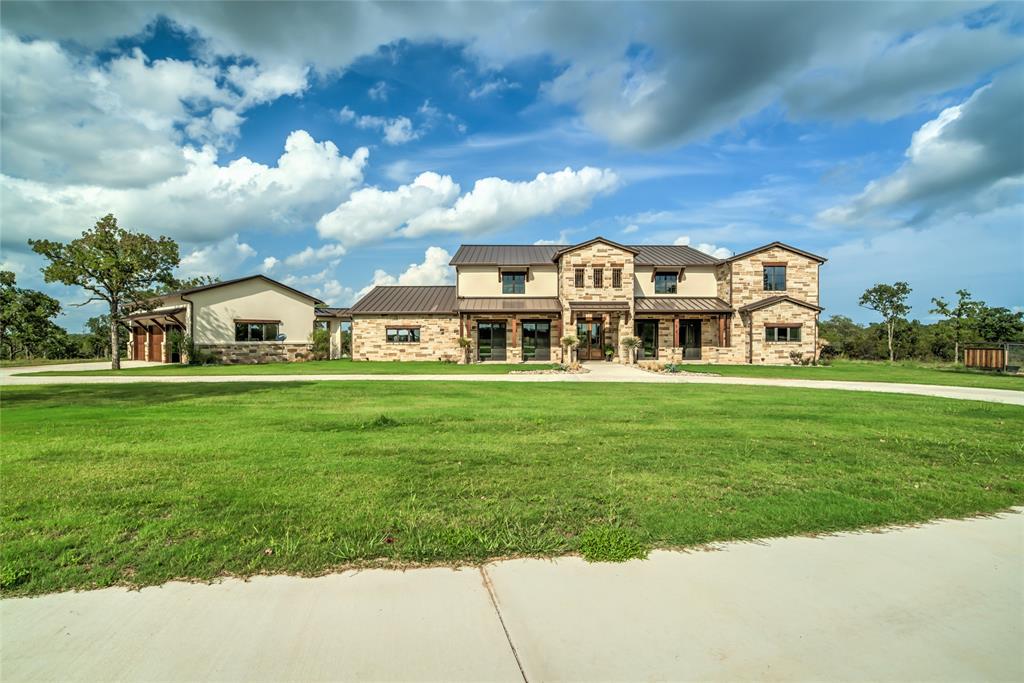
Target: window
(513,283)
(781,334)
(617,278)
(579,277)
(598,277)
(322,325)
(665,283)
(254,332)
(403,335)
(775,278)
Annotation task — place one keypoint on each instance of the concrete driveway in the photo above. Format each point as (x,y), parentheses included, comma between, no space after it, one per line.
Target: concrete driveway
(938,602)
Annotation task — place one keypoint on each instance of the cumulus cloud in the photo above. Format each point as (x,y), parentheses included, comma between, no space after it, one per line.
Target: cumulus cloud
(218,258)
(630,229)
(497,85)
(396,131)
(967,158)
(709,249)
(434,270)
(378,91)
(206,202)
(269,263)
(328,252)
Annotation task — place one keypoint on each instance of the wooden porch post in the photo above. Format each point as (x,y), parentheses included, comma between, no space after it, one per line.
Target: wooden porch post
(721,330)
(675,333)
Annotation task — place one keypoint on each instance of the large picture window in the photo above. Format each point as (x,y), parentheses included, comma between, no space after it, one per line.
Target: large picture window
(775,278)
(665,283)
(781,334)
(513,283)
(403,335)
(256,331)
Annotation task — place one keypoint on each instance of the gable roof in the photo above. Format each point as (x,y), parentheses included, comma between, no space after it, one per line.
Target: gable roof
(405,299)
(780,245)
(772,300)
(574,247)
(225,283)
(544,254)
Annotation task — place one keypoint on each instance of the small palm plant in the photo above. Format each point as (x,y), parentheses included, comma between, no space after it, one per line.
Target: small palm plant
(631,344)
(570,342)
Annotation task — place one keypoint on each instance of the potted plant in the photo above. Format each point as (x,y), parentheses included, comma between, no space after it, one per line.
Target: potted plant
(570,342)
(631,344)
(609,351)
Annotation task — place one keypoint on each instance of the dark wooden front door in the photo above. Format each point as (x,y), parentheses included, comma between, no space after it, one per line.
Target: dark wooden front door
(156,343)
(491,340)
(647,333)
(139,344)
(689,339)
(591,346)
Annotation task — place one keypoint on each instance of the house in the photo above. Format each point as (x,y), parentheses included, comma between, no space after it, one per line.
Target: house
(247,320)
(516,303)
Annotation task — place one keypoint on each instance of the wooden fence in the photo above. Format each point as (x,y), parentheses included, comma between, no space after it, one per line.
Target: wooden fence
(986,358)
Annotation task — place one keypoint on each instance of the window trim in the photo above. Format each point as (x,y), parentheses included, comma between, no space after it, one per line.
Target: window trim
(783,326)
(598,276)
(764,276)
(580,278)
(675,282)
(616,278)
(396,328)
(523,273)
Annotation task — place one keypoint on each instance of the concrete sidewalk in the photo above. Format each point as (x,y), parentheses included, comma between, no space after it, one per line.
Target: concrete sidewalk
(938,602)
(598,372)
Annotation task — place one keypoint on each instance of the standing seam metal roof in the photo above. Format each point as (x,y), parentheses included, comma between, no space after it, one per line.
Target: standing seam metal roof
(683,304)
(438,299)
(543,254)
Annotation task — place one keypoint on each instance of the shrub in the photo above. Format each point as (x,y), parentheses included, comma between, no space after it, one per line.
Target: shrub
(321,340)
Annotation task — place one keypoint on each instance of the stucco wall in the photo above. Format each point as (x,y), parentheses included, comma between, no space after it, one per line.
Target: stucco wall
(439,338)
(217,309)
(484,281)
(695,281)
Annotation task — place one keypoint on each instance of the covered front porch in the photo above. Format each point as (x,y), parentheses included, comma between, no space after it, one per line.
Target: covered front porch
(152,333)
(599,327)
(518,330)
(685,329)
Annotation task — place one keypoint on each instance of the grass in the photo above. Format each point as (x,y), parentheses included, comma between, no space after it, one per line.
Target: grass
(31,362)
(908,372)
(137,484)
(317,367)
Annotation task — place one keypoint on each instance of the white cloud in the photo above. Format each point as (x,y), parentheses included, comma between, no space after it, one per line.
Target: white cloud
(433,271)
(630,229)
(967,158)
(328,252)
(378,91)
(372,214)
(269,263)
(206,202)
(709,249)
(396,131)
(217,259)
(497,85)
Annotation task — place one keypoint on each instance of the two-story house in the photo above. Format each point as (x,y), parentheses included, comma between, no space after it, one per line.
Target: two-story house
(517,303)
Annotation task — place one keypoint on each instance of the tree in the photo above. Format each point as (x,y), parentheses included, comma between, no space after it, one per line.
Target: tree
(962,317)
(889,301)
(26,322)
(95,341)
(113,265)
(1000,325)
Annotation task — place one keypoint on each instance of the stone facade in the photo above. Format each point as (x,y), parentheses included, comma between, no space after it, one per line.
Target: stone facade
(513,334)
(439,338)
(776,353)
(258,352)
(604,257)
(747,277)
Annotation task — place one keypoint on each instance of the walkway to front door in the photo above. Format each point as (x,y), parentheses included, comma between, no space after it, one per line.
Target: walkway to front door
(591,346)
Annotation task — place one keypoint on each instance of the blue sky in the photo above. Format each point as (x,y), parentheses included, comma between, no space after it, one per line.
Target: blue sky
(336,146)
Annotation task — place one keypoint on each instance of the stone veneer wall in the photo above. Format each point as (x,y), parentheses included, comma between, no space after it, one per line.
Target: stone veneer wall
(605,257)
(513,339)
(439,338)
(748,277)
(777,353)
(258,352)
(710,351)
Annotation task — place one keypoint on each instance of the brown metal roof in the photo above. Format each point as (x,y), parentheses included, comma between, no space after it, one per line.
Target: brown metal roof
(681,304)
(780,245)
(543,254)
(672,255)
(771,301)
(532,304)
(574,247)
(406,299)
(331,312)
(504,255)
(599,305)
(225,283)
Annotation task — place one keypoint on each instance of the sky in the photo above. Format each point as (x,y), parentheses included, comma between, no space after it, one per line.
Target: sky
(338,146)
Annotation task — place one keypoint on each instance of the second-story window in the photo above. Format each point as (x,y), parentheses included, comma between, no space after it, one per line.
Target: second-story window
(579,275)
(665,283)
(775,278)
(513,283)
(617,278)
(598,277)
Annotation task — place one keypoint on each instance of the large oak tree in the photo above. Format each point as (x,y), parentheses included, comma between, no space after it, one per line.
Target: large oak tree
(112,264)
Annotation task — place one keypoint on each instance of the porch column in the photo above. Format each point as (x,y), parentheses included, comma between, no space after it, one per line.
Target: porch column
(675,333)
(721,330)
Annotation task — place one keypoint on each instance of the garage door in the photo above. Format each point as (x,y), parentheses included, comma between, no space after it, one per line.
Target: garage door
(139,344)
(156,342)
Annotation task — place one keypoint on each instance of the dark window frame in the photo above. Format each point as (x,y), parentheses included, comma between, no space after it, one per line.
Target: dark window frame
(580,277)
(512,275)
(599,277)
(774,333)
(774,277)
(257,331)
(661,283)
(392,335)
(617,278)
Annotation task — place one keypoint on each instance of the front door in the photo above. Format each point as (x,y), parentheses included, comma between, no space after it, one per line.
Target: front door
(689,339)
(536,340)
(647,333)
(591,346)
(156,343)
(139,343)
(491,340)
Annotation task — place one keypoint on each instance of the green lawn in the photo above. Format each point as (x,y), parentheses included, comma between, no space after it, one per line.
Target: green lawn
(874,371)
(138,484)
(31,362)
(318,367)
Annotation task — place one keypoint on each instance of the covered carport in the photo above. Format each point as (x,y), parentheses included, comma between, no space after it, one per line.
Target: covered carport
(150,332)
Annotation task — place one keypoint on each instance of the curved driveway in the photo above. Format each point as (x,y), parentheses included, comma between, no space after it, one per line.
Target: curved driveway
(599,372)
